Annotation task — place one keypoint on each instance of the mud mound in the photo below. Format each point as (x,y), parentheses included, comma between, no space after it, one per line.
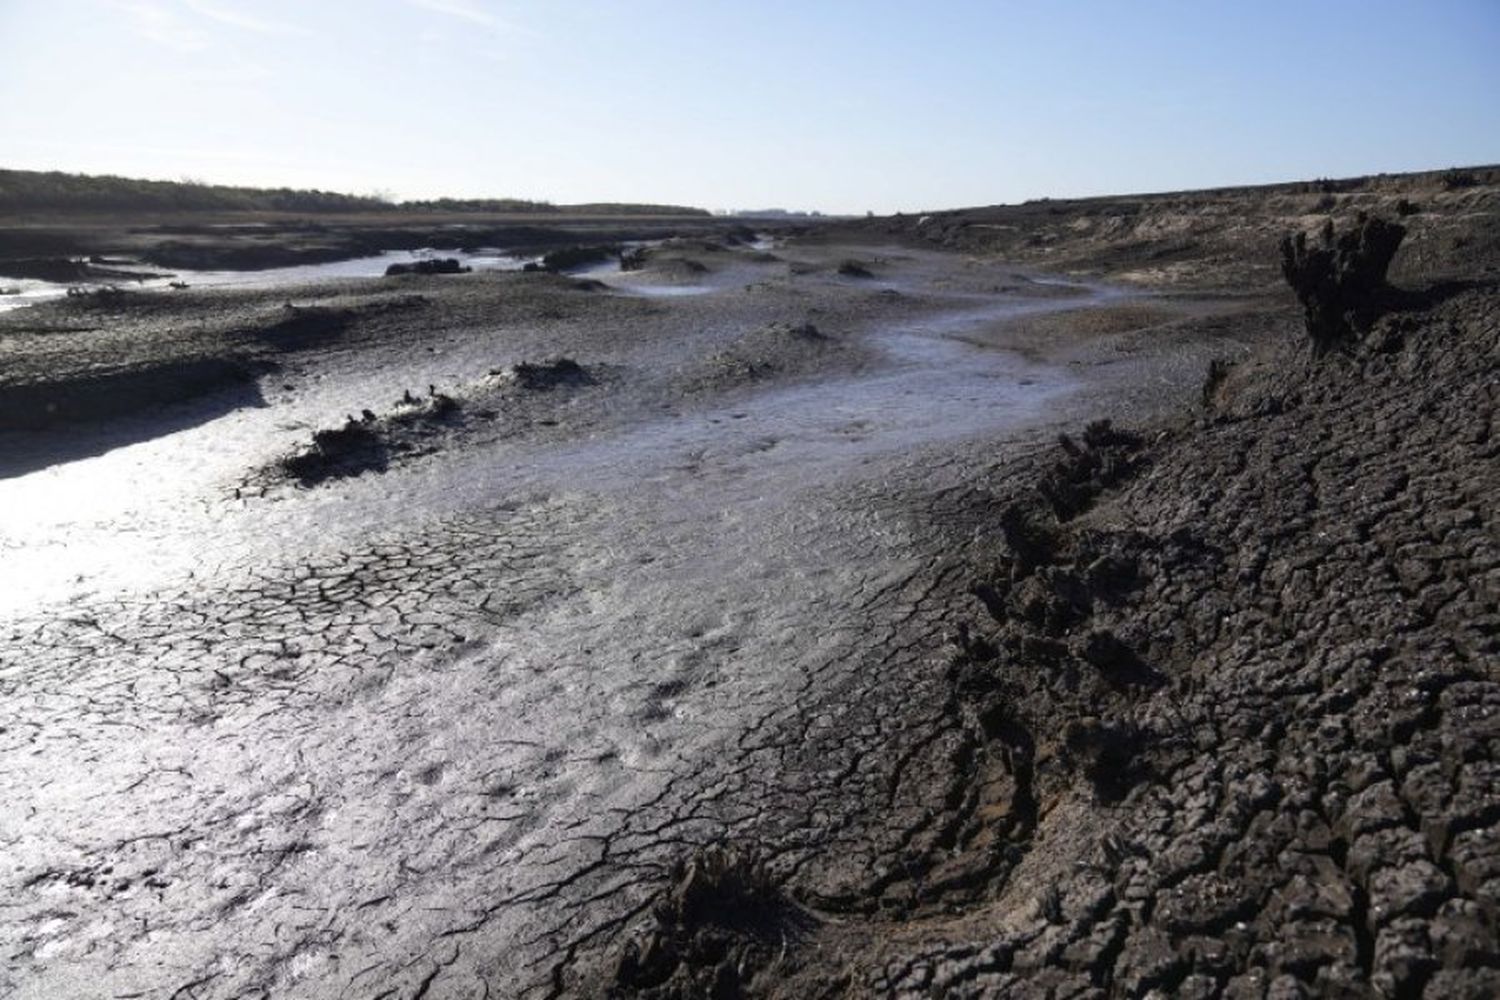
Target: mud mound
(773,351)
(297,328)
(673,259)
(722,920)
(301,327)
(370,443)
(674,266)
(559,372)
(445,265)
(500,405)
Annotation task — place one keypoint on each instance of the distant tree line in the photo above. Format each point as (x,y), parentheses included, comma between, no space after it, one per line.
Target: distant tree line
(520,206)
(54,191)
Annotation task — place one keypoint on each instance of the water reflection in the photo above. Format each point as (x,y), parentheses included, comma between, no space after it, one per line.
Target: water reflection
(27,292)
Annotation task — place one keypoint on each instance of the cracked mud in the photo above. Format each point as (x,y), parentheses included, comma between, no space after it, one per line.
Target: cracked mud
(790,654)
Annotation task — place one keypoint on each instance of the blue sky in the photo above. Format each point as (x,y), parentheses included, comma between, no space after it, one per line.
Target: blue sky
(837,105)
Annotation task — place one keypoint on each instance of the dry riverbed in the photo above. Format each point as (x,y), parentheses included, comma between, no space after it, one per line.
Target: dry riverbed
(760,620)
(441,722)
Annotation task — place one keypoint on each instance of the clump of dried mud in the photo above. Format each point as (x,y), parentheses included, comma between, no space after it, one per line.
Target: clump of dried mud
(719,925)
(420,425)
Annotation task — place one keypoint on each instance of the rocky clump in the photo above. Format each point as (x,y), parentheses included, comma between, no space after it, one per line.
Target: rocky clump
(1341,280)
(510,400)
(1104,459)
(854,269)
(1047,592)
(369,443)
(722,920)
(340,451)
(432,265)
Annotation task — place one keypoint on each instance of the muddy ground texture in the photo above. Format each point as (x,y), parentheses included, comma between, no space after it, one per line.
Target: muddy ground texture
(441,716)
(1198,699)
(1223,714)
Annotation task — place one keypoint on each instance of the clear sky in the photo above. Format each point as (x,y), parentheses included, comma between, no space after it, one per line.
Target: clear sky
(837,105)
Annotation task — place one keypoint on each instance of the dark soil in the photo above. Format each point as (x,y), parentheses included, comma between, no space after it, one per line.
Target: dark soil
(1259,654)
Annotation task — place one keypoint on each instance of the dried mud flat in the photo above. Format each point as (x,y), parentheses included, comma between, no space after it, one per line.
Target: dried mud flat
(791,654)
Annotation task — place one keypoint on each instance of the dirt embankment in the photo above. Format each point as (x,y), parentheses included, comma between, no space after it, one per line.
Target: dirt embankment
(1222,719)
(109,354)
(98,370)
(1221,239)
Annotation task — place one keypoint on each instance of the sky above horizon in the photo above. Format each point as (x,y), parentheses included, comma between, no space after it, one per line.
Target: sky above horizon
(839,106)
